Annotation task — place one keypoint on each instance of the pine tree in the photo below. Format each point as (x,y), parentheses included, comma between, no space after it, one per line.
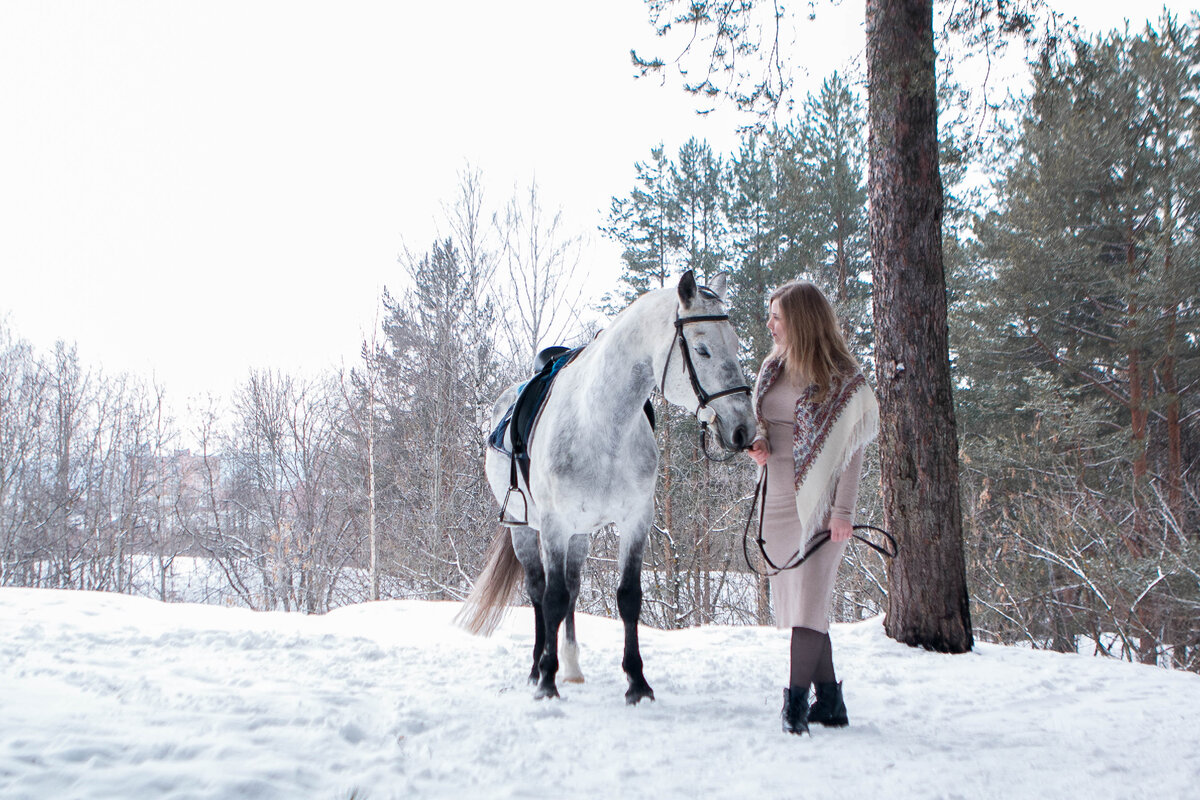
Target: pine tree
(1096,277)
(927,601)
(646,225)
(699,194)
(832,146)
(753,244)
(1095,232)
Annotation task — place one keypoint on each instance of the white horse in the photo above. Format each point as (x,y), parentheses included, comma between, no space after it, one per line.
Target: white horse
(594,461)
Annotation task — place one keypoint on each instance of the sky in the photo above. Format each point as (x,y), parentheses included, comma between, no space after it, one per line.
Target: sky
(190,190)
(109,696)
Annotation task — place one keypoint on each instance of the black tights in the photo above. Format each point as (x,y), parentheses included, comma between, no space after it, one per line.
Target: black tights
(812,658)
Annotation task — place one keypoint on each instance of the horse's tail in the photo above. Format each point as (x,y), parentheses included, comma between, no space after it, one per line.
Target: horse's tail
(488,601)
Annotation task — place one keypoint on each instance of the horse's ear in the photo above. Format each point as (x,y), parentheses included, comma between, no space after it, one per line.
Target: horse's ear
(687,288)
(720,286)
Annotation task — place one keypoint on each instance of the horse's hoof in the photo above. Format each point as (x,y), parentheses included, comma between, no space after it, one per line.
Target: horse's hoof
(546,692)
(573,679)
(638,693)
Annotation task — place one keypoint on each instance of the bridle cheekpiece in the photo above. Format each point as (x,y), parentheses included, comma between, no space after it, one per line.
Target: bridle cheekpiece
(702,396)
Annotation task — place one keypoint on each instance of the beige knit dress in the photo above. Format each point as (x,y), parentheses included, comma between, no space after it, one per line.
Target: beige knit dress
(801,596)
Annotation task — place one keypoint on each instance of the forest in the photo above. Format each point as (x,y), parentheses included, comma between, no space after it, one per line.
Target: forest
(1072,252)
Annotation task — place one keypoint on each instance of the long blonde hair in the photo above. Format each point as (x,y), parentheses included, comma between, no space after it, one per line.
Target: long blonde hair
(814,349)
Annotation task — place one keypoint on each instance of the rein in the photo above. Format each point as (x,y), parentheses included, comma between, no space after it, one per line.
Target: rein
(702,397)
(820,538)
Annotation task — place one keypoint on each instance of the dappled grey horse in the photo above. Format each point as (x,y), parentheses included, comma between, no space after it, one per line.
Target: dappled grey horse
(594,461)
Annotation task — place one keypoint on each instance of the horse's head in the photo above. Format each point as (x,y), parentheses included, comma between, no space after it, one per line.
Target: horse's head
(705,374)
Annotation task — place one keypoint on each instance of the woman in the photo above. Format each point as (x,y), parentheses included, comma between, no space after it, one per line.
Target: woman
(815,415)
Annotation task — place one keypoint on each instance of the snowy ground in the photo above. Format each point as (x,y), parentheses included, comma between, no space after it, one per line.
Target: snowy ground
(107,696)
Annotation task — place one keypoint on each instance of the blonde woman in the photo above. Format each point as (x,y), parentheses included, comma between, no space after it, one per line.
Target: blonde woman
(815,414)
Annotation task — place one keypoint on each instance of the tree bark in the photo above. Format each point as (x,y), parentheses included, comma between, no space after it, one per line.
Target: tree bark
(927,598)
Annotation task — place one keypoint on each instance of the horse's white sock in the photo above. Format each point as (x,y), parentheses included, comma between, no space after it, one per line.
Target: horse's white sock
(569,662)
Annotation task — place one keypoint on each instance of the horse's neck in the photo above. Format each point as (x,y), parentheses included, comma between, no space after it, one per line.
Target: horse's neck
(630,357)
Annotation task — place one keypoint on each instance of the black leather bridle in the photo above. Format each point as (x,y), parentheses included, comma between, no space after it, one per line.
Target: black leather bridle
(702,397)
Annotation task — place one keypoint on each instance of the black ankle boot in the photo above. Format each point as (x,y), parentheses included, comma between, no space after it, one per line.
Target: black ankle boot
(795,710)
(829,709)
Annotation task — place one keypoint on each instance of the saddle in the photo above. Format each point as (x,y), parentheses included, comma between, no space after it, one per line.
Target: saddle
(518,422)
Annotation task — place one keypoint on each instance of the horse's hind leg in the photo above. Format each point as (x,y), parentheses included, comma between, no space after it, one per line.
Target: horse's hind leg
(629,604)
(525,543)
(576,557)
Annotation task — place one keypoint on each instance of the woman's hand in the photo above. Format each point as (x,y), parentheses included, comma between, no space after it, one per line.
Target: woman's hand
(759,451)
(840,530)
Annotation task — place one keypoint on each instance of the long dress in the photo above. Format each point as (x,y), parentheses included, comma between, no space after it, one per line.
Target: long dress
(802,597)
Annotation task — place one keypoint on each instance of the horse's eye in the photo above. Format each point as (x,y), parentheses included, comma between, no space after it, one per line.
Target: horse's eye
(703,351)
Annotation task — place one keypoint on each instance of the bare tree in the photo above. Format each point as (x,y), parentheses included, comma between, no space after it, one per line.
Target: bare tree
(283,536)
(23,398)
(360,393)
(541,265)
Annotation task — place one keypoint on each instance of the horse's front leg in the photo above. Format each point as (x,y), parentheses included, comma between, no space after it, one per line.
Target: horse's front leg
(525,543)
(571,673)
(629,604)
(555,602)
(576,558)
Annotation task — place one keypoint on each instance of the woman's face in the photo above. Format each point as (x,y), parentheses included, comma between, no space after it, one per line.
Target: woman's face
(775,324)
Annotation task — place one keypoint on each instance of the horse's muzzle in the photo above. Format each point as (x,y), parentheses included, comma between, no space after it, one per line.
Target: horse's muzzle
(743,437)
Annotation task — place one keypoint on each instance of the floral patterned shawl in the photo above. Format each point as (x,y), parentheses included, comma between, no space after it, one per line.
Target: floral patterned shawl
(826,436)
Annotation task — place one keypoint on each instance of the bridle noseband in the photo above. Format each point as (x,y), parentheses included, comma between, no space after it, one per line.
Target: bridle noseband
(702,397)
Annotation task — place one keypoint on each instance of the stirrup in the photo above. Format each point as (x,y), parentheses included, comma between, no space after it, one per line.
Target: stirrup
(514,523)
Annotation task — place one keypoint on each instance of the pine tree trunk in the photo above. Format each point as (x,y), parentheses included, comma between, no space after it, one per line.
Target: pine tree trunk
(1174,431)
(1174,434)
(1138,416)
(1138,421)
(927,598)
(1170,383)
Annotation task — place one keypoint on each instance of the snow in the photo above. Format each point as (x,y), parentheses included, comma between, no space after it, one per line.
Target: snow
(109,696)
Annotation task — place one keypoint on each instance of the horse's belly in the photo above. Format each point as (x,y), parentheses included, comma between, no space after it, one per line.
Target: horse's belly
(588,506)
(578,481)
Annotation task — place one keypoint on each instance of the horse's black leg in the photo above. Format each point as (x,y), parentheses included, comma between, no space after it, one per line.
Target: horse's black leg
(539,639)
(525,543)
(629,604)
(555,601)
(577,552)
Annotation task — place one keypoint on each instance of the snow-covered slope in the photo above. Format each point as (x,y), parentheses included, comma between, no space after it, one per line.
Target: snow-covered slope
(107,696)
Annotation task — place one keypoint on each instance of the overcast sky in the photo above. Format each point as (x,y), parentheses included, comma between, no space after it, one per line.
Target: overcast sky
(193,189)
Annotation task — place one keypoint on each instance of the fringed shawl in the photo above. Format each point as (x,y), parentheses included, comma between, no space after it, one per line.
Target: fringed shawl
(826,436)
